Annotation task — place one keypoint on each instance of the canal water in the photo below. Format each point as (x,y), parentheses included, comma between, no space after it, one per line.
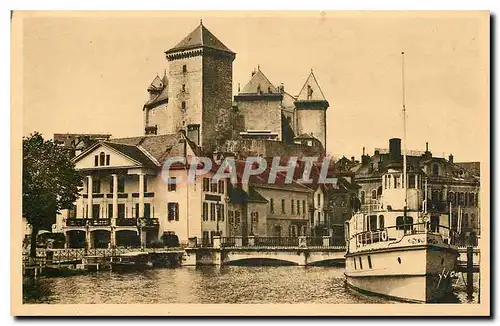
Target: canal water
(207,284)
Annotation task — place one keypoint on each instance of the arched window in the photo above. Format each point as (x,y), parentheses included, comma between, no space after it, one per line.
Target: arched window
(435,170)
(450,196)
(374,194)
(102,158)
(400,223)
(362,197)
(388,181)
(409,223)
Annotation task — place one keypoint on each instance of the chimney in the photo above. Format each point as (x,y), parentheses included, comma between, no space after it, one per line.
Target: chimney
(427,154)
(377,152)
(364,158)
(395,149)
(281,88)
(450,158)
(352,159)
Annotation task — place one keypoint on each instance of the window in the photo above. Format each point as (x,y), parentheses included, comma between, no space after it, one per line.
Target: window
(372,222)
(434,223)
(411,181)
(283,206)
(298,206)
(110,210)
(435,170)
(213,187)
(212,211)
(255,217)
(121,184)
(360,263)
(362,197)
(212,235)
(374,194)
(183,88)
(206,184)
(221,186)
(292,206)
(137,211)
(121,210)
(237,217)
(183,105)
(184,68)
(111,185)
(206,237)
(400,223)
(354,259)
(369,262)
(102,157)
(271,205)
(385,181)
(319,217)
(145,189)
(381,222)
(96,186)
(107,159)
(96,160)
(472,199)
(303,207)
(230,217)
(319,200)
(205,211)
(172,184)
(173,211)
(96,209)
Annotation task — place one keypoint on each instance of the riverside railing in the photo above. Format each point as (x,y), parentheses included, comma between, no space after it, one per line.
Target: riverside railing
(280,242)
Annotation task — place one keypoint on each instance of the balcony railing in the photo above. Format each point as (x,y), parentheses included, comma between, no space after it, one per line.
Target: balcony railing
(76,222)
(100,222)
(126,221)
(149,222)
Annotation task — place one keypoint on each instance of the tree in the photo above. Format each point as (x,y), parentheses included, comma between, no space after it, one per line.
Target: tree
(50,183)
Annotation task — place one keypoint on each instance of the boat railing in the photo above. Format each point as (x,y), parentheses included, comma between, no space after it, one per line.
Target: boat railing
(450,236)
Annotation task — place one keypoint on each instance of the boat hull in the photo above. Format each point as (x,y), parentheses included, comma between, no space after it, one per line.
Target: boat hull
(415,274)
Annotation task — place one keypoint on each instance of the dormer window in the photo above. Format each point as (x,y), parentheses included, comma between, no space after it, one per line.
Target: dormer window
(309,92)
(435,170)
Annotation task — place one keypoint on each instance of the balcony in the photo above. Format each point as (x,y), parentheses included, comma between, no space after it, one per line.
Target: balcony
(149,223)
(76,222)
(100,222)
(126,221)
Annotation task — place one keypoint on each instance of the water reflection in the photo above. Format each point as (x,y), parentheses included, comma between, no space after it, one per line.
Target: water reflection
(203,284)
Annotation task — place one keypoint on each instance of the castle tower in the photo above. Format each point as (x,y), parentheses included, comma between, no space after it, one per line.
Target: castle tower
(259,104)
(311,106)
(198,90)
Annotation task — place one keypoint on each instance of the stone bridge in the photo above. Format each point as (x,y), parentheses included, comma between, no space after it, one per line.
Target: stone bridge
(255,254)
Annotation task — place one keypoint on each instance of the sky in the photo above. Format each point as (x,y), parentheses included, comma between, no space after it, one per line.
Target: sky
(86,73)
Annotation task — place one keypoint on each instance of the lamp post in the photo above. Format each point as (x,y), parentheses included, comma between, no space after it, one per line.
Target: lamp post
(218,211)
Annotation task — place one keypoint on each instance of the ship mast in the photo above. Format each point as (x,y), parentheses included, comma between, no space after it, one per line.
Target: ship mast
(404,132)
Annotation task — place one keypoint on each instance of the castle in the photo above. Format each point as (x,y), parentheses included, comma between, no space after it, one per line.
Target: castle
(196,97)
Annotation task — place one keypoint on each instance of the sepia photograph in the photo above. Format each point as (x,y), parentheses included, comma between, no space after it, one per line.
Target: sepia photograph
(250,163)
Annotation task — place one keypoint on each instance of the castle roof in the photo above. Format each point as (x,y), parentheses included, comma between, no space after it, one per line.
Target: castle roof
(311,90)
(159,90)
(200,37)
(258,84)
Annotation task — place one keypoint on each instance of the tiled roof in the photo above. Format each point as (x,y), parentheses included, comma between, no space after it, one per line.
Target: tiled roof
(160,147)
(160,89)
(133,152)
(200,37)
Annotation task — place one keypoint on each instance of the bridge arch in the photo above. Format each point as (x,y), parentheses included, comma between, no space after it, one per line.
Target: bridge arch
(260,261)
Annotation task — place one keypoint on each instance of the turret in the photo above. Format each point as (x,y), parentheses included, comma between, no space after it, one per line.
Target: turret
(311,106)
